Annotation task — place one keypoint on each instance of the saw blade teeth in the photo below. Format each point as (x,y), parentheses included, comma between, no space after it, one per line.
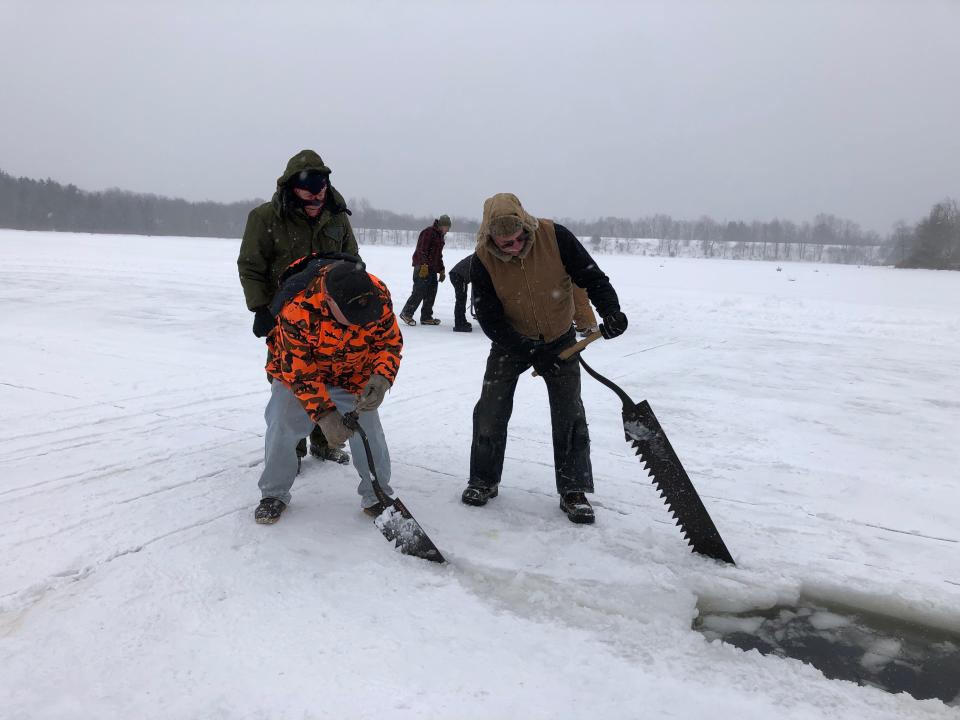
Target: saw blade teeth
(666,472)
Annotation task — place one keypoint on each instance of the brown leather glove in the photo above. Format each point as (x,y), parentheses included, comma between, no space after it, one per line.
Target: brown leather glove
(423,271)
(373,393)
(334,430)
(443,275)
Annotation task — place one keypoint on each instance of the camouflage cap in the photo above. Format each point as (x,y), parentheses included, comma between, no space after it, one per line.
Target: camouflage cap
(444,221)
(349,285)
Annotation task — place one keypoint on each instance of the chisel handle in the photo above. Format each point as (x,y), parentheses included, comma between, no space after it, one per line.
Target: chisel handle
(575,348)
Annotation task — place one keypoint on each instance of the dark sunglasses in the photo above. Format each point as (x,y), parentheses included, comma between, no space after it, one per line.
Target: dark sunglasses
(307,196)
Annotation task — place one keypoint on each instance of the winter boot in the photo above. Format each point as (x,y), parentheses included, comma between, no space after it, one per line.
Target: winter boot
(407,319)
(335,455)
(429,321)
(375,510)
(268,511)
(478,496)
(577,507)
(320,450)
(463,327)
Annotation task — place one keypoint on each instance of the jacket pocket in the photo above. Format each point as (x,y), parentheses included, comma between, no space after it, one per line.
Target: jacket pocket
(334,231)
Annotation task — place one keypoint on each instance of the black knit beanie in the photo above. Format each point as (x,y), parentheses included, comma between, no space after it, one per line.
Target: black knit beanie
(354,292)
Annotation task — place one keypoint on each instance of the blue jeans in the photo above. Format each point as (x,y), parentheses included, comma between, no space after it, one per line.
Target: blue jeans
(287,422)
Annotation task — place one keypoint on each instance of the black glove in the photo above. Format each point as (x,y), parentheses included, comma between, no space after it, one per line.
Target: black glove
(613,325)
(545,360)
(263,321)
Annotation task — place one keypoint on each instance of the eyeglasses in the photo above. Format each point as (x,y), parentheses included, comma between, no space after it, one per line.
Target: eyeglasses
(307,196)
(508,241)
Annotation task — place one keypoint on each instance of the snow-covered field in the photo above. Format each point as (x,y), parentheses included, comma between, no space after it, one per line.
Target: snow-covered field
(816,410)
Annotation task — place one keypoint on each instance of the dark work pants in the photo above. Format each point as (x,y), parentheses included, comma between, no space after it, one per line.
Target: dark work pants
(460,304)
(317,438)
(571,441)
(425,290)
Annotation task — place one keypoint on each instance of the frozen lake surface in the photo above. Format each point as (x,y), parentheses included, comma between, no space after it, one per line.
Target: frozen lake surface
(815,409)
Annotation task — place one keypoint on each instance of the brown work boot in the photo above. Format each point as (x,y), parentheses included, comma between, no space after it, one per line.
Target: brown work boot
(577,507)
(375,510)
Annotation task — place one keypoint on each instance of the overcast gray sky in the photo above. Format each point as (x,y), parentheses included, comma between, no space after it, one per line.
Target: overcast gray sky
(736,109)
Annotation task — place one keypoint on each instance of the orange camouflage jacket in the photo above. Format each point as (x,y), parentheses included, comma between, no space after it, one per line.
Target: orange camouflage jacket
(310,350)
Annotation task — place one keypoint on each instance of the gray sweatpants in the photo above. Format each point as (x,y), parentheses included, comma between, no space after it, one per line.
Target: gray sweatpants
(287,422)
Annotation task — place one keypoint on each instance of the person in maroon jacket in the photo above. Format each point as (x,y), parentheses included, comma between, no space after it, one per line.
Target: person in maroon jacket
(427,267)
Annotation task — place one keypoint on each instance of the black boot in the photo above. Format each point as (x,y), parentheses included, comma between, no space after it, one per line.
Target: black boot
(577,507)
(476,495)
(269,511)
(335,455)
(463,327)
(320,450)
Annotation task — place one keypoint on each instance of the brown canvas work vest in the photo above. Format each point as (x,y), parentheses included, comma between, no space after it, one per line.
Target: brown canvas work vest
(535,290)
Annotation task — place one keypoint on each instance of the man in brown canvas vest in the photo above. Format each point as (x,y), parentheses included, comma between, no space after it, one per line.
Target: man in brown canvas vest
(523,282)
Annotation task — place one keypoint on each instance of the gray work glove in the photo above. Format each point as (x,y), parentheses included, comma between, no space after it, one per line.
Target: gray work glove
(334,430)
(373,393)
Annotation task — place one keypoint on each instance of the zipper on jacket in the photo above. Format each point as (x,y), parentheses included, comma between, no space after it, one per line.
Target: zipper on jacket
(533,305)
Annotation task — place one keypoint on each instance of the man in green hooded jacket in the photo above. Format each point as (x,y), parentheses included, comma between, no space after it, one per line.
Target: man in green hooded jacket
(306,215)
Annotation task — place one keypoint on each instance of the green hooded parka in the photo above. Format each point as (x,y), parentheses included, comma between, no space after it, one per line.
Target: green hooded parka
(279,232)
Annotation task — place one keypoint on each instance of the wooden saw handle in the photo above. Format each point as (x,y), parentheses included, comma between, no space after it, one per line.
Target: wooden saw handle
(577,347)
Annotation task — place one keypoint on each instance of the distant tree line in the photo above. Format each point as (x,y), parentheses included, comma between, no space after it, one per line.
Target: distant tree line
(29,204)
(933,243)
(824,230)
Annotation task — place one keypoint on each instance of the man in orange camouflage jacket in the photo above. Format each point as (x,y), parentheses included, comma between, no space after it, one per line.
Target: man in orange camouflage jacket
(335,348)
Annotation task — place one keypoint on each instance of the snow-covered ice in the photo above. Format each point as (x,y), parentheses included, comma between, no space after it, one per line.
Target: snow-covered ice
(817,414)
